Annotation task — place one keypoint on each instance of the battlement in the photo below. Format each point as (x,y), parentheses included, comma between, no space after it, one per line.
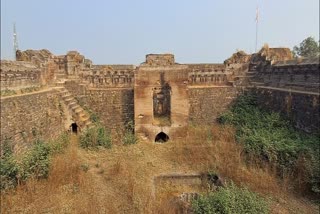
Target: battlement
(18,74)
(159,59)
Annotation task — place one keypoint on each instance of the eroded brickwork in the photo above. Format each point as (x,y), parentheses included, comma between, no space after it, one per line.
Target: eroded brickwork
(160,96)
(27,117)
(207,104)
(17,75)
(114,107)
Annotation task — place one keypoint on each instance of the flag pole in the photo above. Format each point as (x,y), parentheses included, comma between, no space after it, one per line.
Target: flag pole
(256,36)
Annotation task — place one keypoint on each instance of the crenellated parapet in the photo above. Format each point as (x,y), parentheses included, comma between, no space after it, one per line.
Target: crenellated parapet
(17,75)
(208,74)
(298,74)
(104,76)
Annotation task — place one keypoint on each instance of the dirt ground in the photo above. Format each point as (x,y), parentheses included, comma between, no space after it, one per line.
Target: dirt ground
(121,179)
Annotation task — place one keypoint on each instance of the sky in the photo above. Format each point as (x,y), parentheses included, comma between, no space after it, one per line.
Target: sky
(124,31)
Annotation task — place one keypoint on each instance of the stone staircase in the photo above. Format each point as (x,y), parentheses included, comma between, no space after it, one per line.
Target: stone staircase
(253,78)
(79,115)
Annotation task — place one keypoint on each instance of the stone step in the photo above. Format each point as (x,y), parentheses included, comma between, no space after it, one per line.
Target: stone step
(84,116)
(78,110)
(66,96)
(88,123)
(63,93)
(59,83)
(69,100)
(74,105)
(90,126)
(81,119)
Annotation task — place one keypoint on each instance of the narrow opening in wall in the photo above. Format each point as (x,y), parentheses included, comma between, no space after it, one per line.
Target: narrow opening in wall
(161,138)
(74,128)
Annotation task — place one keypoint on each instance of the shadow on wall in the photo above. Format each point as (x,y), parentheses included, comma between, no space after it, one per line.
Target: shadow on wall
(161,138)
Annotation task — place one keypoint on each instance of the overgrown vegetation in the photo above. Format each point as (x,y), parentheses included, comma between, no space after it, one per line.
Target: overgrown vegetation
(96,137)
(273,139)
(228,200)
(7,92)
(30,89)
(129,136)
(34,163)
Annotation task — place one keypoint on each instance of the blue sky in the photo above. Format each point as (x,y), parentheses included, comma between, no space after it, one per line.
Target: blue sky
(124,31)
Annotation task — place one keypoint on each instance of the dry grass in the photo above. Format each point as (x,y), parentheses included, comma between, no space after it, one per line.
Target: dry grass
(120,180)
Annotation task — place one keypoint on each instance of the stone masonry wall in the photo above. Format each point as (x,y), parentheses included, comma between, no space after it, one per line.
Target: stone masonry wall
(17,75)
(292,88)
(301,108)
(207,104)
(114,107)
(26,117)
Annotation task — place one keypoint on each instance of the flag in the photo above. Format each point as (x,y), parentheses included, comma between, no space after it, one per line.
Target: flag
(257,15)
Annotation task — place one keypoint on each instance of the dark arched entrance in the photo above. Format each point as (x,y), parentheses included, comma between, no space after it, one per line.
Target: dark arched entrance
(161,138)
(74,128)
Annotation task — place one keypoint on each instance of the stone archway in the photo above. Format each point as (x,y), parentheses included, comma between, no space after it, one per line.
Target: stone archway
(161,138)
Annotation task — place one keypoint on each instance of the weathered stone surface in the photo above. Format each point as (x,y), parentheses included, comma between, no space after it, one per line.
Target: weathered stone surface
(16,74)
(159,59)
(26,117)
(207,104)
(159,95)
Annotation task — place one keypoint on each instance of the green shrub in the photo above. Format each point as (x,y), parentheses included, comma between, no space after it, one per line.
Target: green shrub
(59,144)
(95,137)
(9,171)
(7,92)
(129,136)
(84,167)
(30,89)
(36,162)
(272,138)
(229,200)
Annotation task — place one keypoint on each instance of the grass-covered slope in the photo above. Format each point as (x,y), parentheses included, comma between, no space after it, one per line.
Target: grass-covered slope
(272,138)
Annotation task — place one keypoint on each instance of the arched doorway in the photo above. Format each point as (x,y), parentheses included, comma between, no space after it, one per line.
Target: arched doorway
(74,128)
(161,138)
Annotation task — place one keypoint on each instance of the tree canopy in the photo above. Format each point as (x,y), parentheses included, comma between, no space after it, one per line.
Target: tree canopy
(307,48)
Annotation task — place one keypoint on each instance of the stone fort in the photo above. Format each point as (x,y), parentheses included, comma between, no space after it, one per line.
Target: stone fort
(159,96)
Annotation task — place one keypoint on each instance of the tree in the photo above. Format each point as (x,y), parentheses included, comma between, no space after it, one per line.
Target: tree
(307,48)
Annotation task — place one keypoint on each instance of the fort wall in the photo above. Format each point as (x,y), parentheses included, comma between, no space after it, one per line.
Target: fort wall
(159,95)
(300,107)
(16,75)
(292,88)
(208,103)
(24,118)
(113,106)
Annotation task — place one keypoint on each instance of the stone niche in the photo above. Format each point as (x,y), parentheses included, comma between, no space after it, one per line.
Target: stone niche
(160,59)
(162,103)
